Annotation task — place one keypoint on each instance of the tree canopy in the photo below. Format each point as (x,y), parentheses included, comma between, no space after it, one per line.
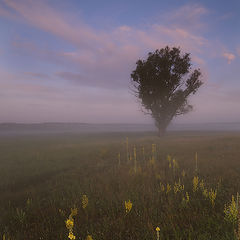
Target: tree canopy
(163,83)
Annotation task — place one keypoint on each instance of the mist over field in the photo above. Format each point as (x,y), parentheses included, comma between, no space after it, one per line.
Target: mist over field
(119,120)
(78,128)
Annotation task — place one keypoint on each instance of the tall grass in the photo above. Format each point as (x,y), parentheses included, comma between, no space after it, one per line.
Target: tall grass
(145,189)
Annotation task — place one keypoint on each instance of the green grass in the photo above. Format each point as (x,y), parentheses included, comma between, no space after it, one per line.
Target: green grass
(42,174)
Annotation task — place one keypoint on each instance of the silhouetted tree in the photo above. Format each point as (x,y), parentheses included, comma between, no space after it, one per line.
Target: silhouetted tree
(163,83)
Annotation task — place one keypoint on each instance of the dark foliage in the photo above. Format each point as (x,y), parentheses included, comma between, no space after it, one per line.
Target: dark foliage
(163,83)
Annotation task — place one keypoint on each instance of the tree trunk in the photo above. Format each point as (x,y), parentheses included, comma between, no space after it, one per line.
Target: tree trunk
(161,124)
(161,131)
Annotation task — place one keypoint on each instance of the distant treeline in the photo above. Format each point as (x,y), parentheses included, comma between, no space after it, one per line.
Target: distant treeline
(35,128)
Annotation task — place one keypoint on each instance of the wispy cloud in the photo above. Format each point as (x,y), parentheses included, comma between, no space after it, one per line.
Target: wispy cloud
(42,16)
(29,101)
(22,84)
(105,58)
(36,75)
(188,16)
(229,56)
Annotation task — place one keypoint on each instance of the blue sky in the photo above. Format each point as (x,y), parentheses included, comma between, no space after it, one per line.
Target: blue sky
(70,61)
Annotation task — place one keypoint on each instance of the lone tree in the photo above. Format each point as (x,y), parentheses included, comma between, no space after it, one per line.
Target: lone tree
(163,83)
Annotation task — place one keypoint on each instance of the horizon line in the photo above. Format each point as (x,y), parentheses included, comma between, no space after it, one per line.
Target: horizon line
(88,123)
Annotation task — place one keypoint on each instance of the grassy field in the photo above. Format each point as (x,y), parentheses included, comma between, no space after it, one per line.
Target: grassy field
(43,177)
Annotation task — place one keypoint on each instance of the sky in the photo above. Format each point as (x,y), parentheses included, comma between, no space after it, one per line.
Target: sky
(71,60)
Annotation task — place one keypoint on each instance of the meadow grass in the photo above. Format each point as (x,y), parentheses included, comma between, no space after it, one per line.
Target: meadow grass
(122,185)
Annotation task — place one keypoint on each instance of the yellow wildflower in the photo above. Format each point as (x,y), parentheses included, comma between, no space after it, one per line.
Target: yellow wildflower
(84,201)
(178,187)
(158,230)
(183,173)
(128,206)
(74,212)
(175,164)
(201,185)
(205,193)
(187,197)
(154,147)
(135,153)
(212,196)
(195,184)
(69,224)
(231,211)
(71,236)
(169,161)
(152,160)
(89,237)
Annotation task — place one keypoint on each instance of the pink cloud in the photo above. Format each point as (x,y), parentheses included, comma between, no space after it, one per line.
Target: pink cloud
(183,37)
(22,84)
(189,13)
(103,58)
(42,16)
(36,75)
(48,19)
(229,56)
(125,28)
